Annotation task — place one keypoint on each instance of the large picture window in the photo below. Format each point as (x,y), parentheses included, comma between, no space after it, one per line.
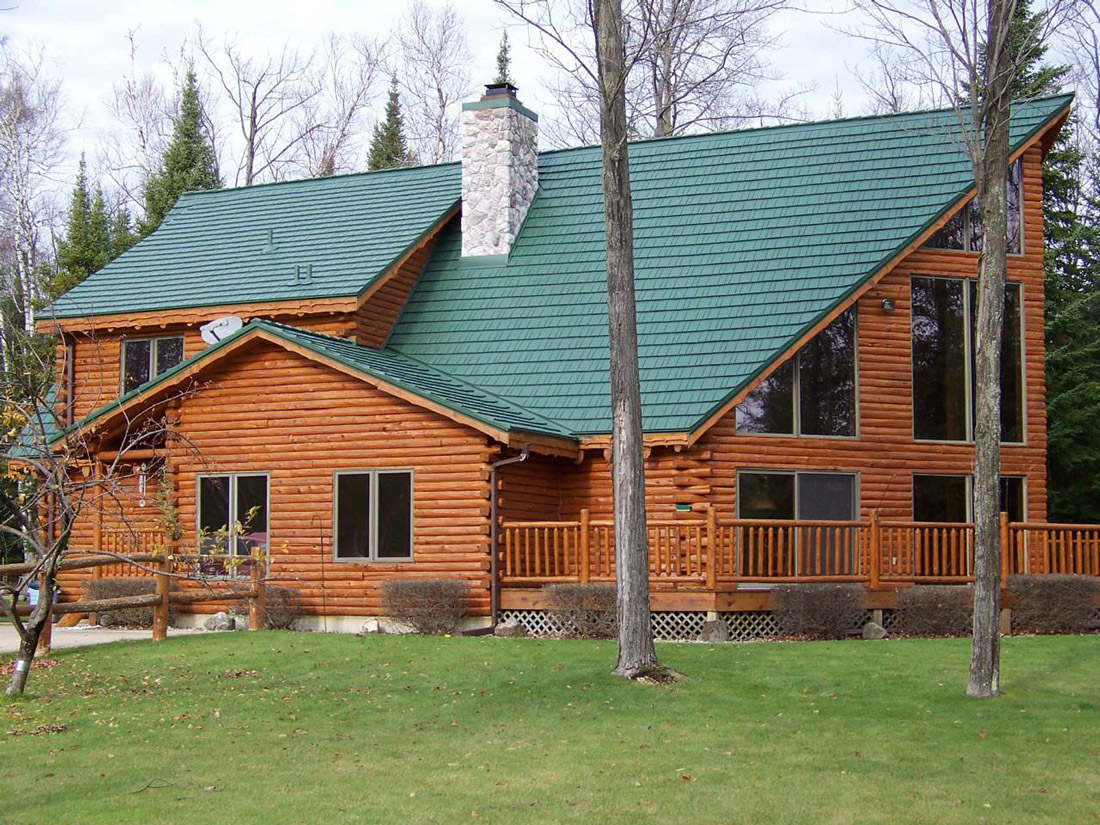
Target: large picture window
(964,230)
(947,498)
(373,515)
(143,359)
(814,393)
(944,315)
(233,515)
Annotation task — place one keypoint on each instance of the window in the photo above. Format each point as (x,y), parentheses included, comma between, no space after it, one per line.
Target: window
(806,496)
(944,315)
(145,358)
(373,515)
(941,498)
(814,393)
(964,230)
(232,514)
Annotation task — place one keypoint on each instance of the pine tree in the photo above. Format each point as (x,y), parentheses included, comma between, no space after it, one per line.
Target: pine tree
(504,61)
(188,162)
(1071,235)
(387,147)
(122,233)
(85,247)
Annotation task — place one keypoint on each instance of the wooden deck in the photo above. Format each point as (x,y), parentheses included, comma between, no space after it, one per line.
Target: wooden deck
(713,554)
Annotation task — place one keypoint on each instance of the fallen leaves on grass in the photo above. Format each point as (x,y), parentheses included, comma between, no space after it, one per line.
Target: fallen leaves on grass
(36,664)
(40,730)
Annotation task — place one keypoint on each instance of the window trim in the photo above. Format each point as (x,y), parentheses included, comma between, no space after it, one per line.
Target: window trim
(964,211)
(855,475)
(233,476)
(796,390)
(968,378)
(372,546)
(153,373)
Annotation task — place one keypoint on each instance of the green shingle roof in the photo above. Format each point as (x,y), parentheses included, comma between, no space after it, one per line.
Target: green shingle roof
(743,240)
(254,244)
(386,365)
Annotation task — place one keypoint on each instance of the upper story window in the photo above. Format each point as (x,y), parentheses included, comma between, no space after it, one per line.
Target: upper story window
(813,393)
(145,358)
(964,230)
(944,317)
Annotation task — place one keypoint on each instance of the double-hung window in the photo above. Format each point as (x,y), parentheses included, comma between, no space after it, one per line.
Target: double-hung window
(944,319)
(813,393)
(145,358)
(373,515)
(233,515)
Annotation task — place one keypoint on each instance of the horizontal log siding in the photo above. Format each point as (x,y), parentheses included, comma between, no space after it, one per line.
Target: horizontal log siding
(98,354)
(275,412)
(379,312)
(885,455)
(531,490)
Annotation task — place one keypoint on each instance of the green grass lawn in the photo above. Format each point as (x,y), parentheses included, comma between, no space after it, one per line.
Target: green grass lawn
(301,728)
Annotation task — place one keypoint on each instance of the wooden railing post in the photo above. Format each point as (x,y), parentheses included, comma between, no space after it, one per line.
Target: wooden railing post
(257,594)
(874,552)
(585,571)
(45,639)
(712,549)
(1004,547)
(163,591)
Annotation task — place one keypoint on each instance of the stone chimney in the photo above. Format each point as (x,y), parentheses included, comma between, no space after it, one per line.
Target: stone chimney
(500,170)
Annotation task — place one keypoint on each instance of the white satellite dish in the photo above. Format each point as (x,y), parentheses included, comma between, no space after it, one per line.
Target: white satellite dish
(220,328)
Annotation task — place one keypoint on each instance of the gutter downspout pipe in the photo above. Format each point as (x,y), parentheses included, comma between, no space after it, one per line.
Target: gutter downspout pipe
(494,530)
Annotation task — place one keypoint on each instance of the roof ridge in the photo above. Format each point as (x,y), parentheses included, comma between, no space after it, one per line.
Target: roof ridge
(412,359)
(799,125)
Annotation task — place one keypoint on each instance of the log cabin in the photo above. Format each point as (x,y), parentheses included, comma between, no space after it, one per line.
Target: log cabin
(404,373)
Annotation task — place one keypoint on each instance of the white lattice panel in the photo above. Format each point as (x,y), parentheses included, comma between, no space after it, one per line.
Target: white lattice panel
(535,622)
(754,624)
(678,626)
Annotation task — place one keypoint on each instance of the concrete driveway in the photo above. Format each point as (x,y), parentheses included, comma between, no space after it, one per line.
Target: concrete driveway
(64,637)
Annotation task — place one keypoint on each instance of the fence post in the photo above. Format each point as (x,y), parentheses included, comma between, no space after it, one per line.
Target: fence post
(874,552)
(45,639)
(585,570)
(161,608)
(257,594)
(712,548)
(1004,547)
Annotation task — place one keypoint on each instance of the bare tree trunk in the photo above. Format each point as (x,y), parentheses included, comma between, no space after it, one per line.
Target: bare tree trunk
(636,652)
(985,656)
(28,645)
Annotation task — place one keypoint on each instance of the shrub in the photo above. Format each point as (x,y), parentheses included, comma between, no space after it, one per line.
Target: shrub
(935,610)
(117,588)
(1054,604)
(586,611)
(818,611)
(282,608)
(433,607)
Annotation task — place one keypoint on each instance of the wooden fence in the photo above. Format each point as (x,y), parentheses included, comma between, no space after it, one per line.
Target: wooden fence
(711,551)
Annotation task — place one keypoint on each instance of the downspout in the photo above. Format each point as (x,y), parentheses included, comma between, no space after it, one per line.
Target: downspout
(494,530)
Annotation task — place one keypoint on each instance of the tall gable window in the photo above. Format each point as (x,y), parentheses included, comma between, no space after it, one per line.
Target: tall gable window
(964,230)
(944,318)
(373,515)
(145,358)
(814,393)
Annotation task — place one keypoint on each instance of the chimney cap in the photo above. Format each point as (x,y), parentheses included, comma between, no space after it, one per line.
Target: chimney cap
(498,90)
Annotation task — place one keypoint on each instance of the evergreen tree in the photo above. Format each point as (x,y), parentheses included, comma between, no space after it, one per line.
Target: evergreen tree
(504,61)
(123,235)
(387,147)
(1072,285)
(85,247)
(188,162)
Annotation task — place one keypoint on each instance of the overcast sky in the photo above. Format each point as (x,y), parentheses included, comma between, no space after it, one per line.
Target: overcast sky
(85,41)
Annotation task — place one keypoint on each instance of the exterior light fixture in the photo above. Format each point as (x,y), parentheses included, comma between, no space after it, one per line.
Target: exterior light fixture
(887,304)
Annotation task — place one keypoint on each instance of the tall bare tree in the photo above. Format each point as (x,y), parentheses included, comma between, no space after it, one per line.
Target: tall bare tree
(964,47)
(265,95)
(433,71)
(31,144)
(331,123)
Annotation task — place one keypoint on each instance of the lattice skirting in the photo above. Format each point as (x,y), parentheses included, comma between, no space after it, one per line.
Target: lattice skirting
(679,626)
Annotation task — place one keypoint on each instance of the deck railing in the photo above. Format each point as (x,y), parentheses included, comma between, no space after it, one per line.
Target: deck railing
(125,542)
(712,552)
